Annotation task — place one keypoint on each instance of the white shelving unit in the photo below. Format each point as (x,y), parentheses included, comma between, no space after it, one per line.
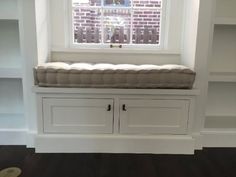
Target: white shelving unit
(221,106)
(11,89)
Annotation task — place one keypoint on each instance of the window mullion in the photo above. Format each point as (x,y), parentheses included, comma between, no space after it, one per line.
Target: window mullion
(102,25)
(102,22)
(131,23)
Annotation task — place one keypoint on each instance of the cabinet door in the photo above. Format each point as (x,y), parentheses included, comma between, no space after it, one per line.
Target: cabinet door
(67,115)
(154,116)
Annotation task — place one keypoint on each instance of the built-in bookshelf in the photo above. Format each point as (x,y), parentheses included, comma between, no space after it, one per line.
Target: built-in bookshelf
(11,89)
(221,105)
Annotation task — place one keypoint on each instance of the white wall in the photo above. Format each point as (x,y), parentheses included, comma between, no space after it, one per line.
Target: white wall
(174,25)
(59,15)
(9,44)
(225,8)
(5,13)
(42,29)
(190,33)
(11,105)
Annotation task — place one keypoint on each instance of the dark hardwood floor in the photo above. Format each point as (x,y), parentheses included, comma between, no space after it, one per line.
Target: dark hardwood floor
(205,163)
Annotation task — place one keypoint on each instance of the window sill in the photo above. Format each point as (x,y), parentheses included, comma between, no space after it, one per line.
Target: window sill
(116,51)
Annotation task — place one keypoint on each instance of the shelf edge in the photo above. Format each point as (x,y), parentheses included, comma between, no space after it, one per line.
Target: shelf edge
(10,73)
(222,77)
(224,21)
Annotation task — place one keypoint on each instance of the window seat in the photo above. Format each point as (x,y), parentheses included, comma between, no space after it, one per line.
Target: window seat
(104,75)
(114,119)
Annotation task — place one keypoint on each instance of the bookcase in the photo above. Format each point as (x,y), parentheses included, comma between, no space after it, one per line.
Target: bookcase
(11,87)
(221,104)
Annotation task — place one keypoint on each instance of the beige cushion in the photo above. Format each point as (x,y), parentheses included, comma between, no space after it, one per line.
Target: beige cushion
(103,75)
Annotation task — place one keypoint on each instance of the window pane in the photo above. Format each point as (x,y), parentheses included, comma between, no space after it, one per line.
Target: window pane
(147,3)
(117,25)
(146,26)
(87,25)
(111,22)
(79,3)
(117,3)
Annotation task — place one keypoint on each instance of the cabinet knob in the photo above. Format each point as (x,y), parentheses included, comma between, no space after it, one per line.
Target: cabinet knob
(124,107)
(109,107)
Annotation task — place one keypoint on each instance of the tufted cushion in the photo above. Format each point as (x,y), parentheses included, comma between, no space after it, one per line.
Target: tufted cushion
(103,75)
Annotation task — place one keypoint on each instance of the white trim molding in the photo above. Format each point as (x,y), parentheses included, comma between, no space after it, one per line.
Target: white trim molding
(30,139)
(156,143)
(161,144)
(17,137)
(219,138)
(198,141)
(13,136)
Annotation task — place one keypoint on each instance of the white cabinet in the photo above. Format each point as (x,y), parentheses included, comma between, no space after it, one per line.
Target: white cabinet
(141,116)
(115,120)
(136,116)
(104,113)
(77,115)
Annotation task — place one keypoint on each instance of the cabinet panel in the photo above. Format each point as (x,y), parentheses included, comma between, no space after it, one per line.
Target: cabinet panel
(77,115)
(154,116)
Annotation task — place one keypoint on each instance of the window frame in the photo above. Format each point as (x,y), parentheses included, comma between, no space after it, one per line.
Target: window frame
(161,46)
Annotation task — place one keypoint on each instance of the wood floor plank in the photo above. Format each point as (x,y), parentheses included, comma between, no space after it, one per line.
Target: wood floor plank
(210,162)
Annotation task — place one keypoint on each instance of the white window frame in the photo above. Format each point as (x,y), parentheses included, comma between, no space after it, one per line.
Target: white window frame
(161,46)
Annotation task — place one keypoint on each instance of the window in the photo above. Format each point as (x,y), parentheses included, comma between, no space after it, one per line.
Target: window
(126,22)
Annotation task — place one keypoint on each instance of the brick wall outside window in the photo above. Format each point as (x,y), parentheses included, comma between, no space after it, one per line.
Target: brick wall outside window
(117,23)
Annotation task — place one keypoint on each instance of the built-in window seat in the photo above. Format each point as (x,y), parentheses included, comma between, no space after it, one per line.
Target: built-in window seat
(111,108)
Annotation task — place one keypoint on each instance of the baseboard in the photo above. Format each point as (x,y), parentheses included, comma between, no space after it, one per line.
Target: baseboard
(17,137)
(13,136)
(198,141)
(207,138)
(115,144)
(217,138)
(30,139)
